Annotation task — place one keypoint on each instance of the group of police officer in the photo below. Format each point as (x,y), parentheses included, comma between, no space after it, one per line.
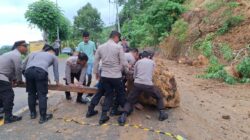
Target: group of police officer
(109,63)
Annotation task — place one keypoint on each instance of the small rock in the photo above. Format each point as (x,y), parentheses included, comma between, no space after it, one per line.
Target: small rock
(181,119)
(226,117)
(148,117)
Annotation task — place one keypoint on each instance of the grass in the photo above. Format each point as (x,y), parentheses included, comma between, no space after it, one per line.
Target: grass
(226,51)
(215,5)
(179,30)
(63,56)
(230,23)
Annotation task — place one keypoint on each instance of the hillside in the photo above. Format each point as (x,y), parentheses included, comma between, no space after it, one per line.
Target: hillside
(216,29)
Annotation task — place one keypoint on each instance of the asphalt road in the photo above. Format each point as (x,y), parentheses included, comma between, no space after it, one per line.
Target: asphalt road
(21,97)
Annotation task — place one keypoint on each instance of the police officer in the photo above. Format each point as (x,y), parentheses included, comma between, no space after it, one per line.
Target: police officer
(36,74)
(76,67)
(143,73)
(11,72)
(113,59)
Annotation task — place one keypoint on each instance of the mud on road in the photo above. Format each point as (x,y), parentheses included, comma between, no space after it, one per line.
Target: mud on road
(210,110)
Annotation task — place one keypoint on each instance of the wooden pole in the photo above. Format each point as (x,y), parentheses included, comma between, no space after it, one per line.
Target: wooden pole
(84,90)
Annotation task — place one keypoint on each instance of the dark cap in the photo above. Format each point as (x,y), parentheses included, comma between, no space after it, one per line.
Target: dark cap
(20,43)
(48,48)
(115,33)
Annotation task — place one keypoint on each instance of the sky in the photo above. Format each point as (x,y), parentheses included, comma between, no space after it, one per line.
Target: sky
(13,25)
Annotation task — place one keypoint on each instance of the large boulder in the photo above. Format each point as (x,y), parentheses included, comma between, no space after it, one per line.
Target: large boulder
(165,82)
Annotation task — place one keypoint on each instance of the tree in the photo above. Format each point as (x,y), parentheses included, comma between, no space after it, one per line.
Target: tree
(47,16)
(65,30)
(5,49)
(88,19)
(146,22)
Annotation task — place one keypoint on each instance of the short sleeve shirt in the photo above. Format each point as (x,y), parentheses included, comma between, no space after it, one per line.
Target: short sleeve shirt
(88,49)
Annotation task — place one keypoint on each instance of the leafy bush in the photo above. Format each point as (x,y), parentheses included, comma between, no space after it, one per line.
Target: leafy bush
(244,67)
(205,46)
(179,30)
(215,5)
(233,4)
(226,51)
(216,70)
(230,23)
(145,23)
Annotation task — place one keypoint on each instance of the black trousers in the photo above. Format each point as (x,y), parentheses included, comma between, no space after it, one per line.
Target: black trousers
(7,98)
(73,76)
(137,90)
(110,85)
(1,103)
(37,86)
(57,51)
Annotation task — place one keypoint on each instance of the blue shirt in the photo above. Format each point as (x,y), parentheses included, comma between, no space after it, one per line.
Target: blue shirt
(88,49)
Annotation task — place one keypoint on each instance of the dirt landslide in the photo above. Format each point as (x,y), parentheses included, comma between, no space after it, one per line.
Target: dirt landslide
(209,110)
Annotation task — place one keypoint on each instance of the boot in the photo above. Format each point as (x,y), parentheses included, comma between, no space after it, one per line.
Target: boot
(12,119)
(80,100)
(115,112)
(163,115)
(104,118)
(122,119)
(91,112)
(68,96)
(33,115)
(45,118)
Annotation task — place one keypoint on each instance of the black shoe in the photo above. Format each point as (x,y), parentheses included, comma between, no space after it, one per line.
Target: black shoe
(115,112)
(122,119)
(91,113)
(46,118)
(80,101)
(104,118)
(12,119)
(163,115)
(33,115)
(68,98)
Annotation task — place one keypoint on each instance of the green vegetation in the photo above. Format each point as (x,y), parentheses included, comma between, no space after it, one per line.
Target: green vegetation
(216,70)
(179,30)
(63,56)
(244,68)
(47,16)
(205,46)
(88,19)
(5,49)
(215,5)
(230,23)
(226,51)
(233,4)
(146,22)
